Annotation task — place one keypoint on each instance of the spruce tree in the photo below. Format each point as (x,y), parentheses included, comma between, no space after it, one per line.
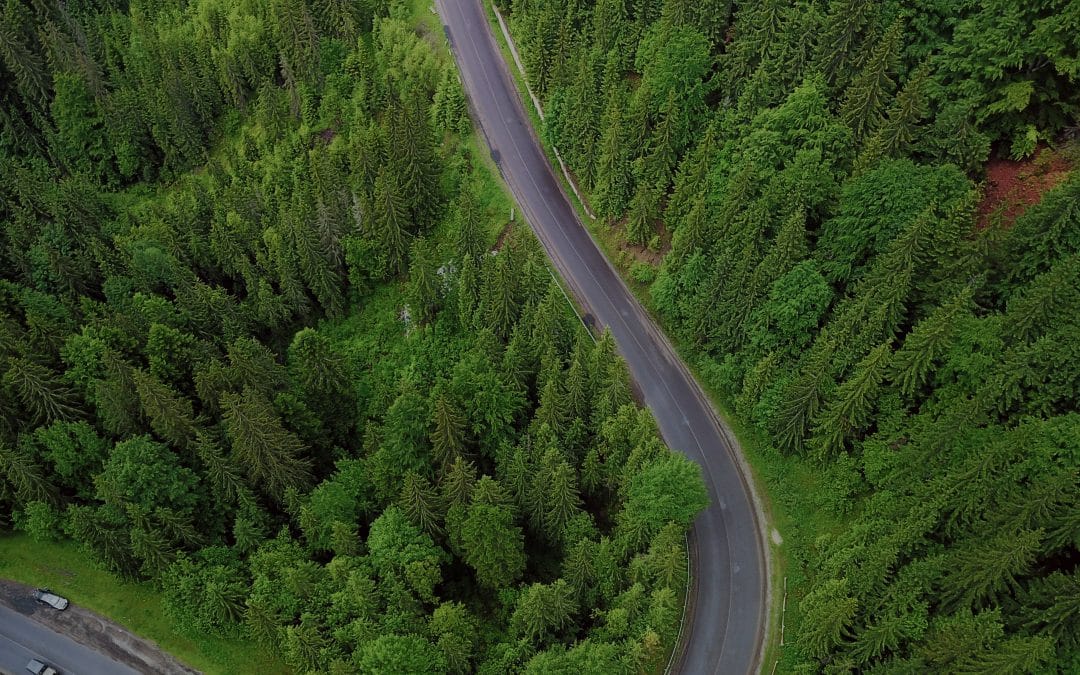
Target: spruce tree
(865,97)
(317,366)
(577,396)
(457,483)
(613,179)
(578,569)
(666,561)
(885,636)
(414,161)
(423,292)
(1020,654)
(305,645)
(801,397)
(927,342)
(517,362)
(849,408)
(457,633)
(272,455)
(692,179)
(420,503)
(845,22)
(296,42)
(448,431)
(366,161)
(691,236)
(644,211)
(581,119)
(789,247)
(501,297)
(493,545)
(550,370)
(665,145)
(468,293)
(896,133)
(263,623)
(178,526)
(469,233)
(224,601)
(170,414)
(340,18)
(609,21)
(828,613)
(761,37)
(552,409)
(1053,602)
(563,501)
(539,47)
(153,550)
(988,569)
(40,390)
(543,610)
(517,476)
(547,323)
(613,391)
(22,57)
(253,365)
(314,261)
(1035,306)
(25,475)
(390,219)
(450,110)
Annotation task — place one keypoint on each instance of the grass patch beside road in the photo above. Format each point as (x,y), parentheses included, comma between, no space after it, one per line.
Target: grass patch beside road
(65,569)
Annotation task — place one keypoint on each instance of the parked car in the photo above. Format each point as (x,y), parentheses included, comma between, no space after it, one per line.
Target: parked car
(47,597)
(41,668)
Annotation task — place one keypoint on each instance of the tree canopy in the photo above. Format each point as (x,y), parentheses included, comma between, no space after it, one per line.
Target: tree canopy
(256,348)
(898,349)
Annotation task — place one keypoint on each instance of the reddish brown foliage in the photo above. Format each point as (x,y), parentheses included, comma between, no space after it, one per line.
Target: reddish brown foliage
(1011,186)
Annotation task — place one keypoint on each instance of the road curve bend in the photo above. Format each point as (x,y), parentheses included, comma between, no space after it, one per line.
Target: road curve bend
(725,623)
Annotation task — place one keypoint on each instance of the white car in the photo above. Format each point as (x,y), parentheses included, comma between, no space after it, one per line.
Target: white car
(47,597)
(41,668)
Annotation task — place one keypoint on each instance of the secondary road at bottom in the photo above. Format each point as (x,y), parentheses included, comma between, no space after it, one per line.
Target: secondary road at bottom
(724,630)
(22,639)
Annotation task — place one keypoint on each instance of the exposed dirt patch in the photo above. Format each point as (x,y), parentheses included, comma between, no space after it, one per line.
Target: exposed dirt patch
(323,138)
(94,631)
(1011,187)
(636,253)
(503,234)
(430,37)
(59,571)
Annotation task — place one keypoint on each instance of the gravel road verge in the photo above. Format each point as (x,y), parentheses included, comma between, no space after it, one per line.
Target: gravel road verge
(93,631)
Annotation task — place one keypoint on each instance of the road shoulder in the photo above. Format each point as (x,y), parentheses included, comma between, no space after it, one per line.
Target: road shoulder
(93,631)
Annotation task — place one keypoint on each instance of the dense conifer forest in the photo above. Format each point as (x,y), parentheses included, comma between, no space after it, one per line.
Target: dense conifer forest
(256,350)
(817,167)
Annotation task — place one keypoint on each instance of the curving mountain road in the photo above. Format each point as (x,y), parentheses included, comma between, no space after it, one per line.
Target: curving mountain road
(725,621)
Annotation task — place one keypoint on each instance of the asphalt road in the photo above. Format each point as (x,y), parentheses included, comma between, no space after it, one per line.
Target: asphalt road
(724,630)
(22,639)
